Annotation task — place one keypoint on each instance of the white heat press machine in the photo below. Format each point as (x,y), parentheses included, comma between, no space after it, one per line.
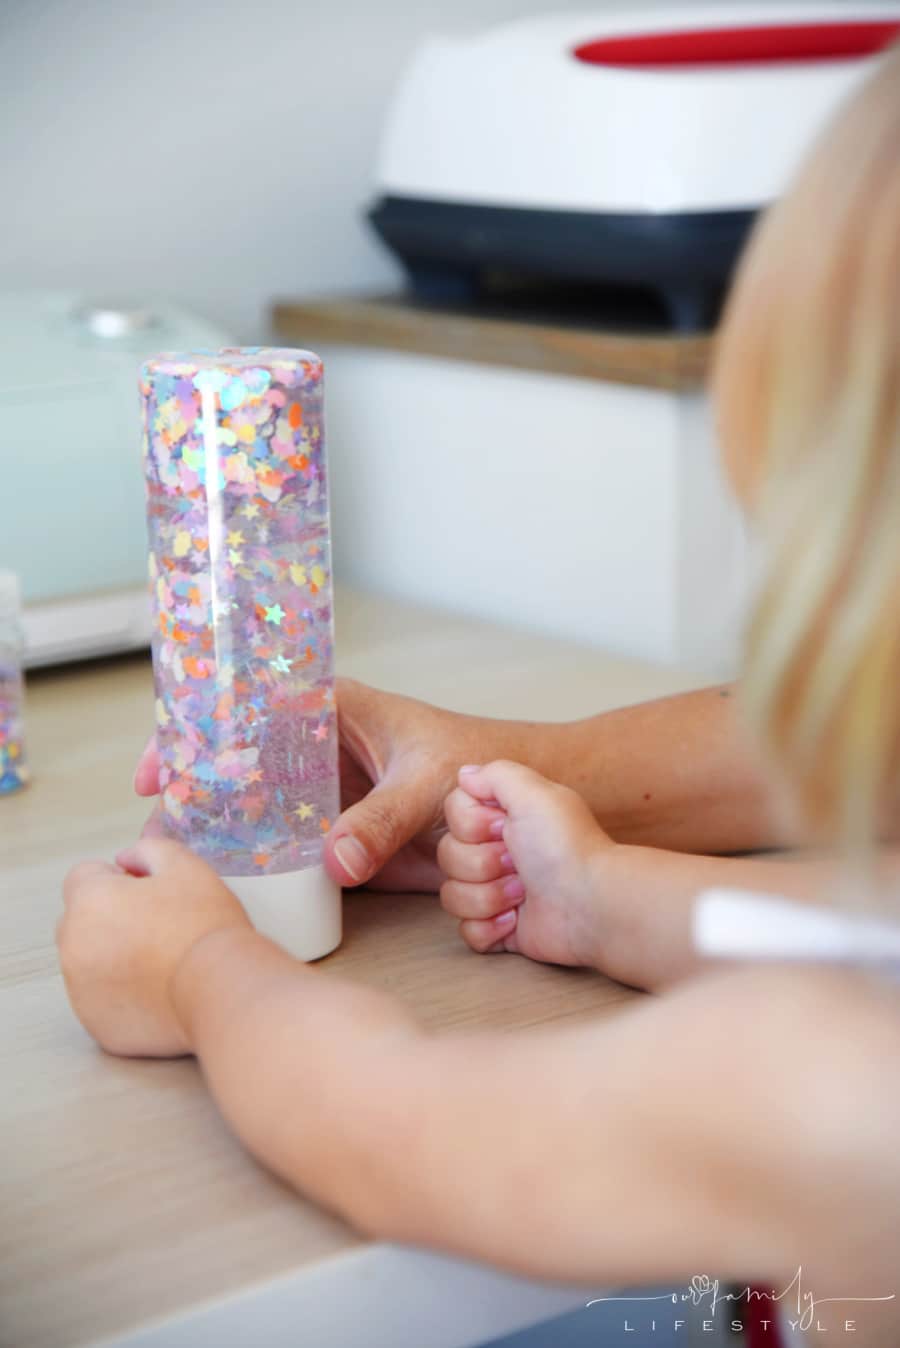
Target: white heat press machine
(627,149)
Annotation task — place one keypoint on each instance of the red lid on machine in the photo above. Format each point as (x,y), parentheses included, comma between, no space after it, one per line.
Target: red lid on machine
(759,43)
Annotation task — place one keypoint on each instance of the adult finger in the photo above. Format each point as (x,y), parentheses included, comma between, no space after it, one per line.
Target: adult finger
(146,774)
(369,833)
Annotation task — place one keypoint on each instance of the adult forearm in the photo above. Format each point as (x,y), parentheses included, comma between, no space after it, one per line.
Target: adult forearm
(678,773)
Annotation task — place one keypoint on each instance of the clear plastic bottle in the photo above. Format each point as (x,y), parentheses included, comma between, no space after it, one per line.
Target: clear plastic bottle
(237,508)
(13,765)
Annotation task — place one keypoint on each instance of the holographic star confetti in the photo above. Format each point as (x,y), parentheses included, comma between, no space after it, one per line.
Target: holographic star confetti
(240,580)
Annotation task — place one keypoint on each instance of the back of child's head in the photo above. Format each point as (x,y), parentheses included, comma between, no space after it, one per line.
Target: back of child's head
(808,386)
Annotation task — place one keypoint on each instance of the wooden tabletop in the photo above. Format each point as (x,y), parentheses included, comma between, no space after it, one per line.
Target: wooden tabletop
(509,334)
(124,1197)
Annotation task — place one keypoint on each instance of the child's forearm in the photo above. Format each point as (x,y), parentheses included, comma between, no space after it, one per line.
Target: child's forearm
(645,899)
(312,1073)
(458,1142)
(588,1153)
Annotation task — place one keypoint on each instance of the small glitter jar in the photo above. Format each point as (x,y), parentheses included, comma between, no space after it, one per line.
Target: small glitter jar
(240,573)
(13,767)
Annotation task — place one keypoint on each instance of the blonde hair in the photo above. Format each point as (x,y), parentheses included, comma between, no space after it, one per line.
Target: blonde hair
(808,375)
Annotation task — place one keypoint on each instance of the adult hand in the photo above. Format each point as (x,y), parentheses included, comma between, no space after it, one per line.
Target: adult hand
(398,762)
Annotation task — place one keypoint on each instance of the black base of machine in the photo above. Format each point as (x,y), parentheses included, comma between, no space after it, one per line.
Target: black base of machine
(449,250)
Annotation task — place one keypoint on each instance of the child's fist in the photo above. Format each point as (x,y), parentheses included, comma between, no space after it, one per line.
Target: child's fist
(123,934)
(520,859)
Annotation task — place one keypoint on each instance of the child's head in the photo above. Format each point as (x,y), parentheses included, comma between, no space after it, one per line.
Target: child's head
(808,395)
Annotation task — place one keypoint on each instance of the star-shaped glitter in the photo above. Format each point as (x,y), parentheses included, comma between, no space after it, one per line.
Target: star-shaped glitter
(274,614)
(320,733)
(304,811)
(235,538)
(234,557)
(250,510)
(283,666)
(254,776)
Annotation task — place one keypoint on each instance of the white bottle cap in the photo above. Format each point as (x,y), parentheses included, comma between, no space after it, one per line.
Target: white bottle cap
(10,595)
(301,910)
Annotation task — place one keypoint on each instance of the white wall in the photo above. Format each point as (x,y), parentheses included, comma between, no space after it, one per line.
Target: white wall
(215,151)
(219,151)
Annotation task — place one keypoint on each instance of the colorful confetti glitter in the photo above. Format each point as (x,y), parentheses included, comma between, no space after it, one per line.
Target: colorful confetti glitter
(13,767)
(234,454)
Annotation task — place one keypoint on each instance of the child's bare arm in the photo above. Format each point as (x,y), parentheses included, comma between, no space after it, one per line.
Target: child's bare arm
(644,900)
(682,1137)
(730,1127)
(528,870)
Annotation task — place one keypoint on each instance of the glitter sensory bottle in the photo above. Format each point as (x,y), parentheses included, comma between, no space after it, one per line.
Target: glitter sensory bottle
(13,767)
(240,572)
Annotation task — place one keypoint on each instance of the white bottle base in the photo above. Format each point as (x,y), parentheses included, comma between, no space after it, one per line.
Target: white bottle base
(301,910)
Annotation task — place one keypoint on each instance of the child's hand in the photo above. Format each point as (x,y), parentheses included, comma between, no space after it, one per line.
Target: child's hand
(123,934)
(520,859)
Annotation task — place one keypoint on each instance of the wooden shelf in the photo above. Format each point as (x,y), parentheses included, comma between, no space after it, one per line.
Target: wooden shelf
(502,336)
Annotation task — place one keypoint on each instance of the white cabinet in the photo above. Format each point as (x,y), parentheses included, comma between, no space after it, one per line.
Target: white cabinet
(592,510)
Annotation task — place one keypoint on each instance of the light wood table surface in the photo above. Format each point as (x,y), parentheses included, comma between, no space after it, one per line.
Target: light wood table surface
(125,1202)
